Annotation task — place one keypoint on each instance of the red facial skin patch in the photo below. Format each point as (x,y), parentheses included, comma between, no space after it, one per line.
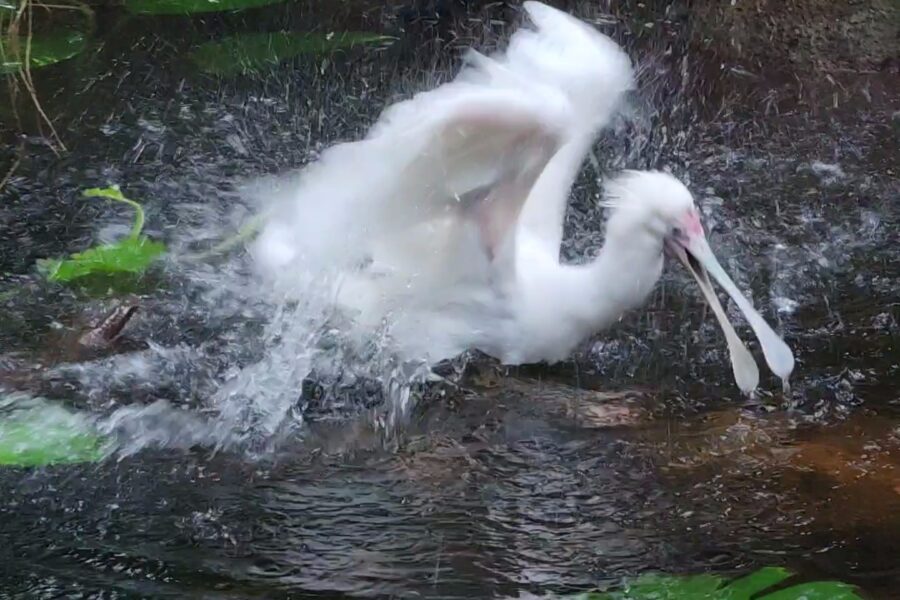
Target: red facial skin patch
(692,223)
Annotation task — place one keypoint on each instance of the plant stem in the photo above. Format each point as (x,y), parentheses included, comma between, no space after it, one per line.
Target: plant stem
(247,231)
(113,193)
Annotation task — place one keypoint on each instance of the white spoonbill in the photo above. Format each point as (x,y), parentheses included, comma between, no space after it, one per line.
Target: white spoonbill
(446,220)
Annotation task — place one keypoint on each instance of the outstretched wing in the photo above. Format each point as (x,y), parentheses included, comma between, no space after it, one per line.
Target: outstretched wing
(438,155)
(444,181)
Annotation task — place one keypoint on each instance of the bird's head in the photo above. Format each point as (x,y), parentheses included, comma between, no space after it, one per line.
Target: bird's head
(651,203)
(653,207)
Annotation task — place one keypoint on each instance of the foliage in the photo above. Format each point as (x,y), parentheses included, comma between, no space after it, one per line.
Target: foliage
(246,232)
(23,50)
(46,49)
(254,51)
(716,587)
(186,7)
(40,434)
(131,255)
(127,256)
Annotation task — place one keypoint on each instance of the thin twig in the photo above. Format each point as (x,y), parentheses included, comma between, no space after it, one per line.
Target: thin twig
(29,83)
(13,34)
(11,80)
(59,6)
(19,152)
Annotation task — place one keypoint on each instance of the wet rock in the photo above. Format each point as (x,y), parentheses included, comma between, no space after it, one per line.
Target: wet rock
(849,471)
(70,344)
(861,451)
(107,331)
(587,404)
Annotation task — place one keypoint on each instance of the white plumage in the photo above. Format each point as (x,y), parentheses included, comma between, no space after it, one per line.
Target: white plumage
(454,205)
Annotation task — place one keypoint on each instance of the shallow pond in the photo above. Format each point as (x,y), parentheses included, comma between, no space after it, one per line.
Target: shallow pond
(640,455)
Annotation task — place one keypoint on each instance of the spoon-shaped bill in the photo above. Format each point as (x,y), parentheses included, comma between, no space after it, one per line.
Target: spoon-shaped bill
(746,373)
(778,354)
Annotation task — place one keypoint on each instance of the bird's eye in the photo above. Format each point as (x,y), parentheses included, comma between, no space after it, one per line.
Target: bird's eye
(677,232)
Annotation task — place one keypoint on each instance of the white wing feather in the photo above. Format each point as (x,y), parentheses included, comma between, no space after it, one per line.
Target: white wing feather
(444,183)
(594,74)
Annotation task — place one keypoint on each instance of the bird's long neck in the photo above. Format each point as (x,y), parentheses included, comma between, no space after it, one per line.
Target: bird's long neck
(561,305)
(545,219)
(623,275)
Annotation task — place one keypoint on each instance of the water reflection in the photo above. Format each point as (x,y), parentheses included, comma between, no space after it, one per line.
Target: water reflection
(530,504)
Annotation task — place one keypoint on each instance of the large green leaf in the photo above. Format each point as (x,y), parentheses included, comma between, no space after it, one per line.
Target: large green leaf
(126,256)
(664,587)
(255,51)
(758,581)
(36,433)
(46,49)
(713,587)
(187,7)
(818,590)
(130,255)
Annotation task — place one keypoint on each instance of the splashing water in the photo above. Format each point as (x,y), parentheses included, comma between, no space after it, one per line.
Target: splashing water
(521,485)
(245,383)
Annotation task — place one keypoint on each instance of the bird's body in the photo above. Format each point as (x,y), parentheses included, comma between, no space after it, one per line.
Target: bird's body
(455,200)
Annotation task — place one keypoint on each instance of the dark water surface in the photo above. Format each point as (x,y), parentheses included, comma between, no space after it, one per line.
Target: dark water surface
(641,456)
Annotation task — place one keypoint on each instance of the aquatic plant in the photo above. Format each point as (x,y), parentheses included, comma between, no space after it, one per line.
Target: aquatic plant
(37,433)
(132,254)
(43,50)
(187,7)
(23,49)
(716,587)
(255,51)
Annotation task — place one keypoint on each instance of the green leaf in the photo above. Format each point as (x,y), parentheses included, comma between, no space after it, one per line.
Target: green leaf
(709,587)
(46,49)
(662,587)
(131,255)
(818,590)
(253,52)
(763,579)
(187,7)
(40,433)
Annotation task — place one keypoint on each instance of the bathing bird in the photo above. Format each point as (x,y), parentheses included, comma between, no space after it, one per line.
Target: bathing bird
(445,221)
